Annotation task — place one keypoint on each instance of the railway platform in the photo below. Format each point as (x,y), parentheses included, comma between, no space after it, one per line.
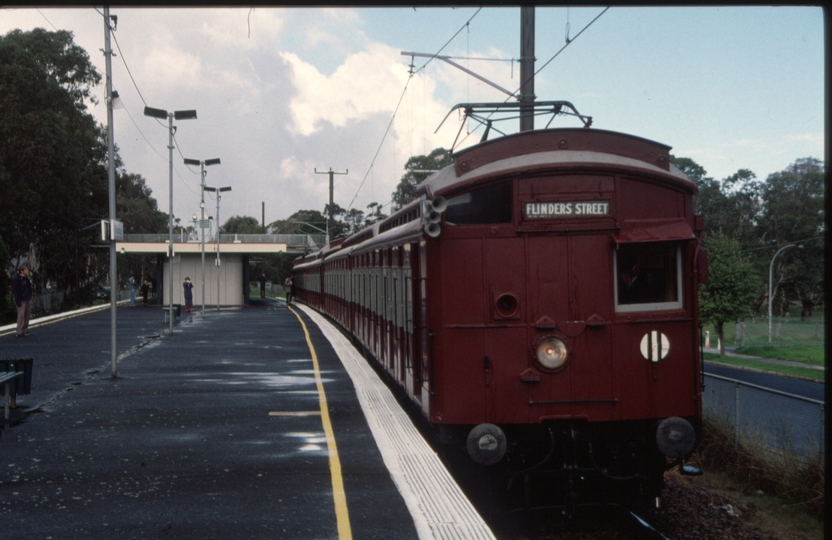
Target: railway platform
(253,422)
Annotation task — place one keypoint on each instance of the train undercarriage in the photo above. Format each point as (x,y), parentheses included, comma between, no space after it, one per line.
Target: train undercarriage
(564,465)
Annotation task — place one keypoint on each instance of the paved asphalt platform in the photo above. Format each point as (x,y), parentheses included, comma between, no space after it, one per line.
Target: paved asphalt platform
(242,424)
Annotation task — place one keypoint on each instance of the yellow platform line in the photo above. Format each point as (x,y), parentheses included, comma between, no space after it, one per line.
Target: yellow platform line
(339,495)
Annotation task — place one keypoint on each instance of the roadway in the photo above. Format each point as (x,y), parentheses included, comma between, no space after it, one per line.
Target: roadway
(799,387)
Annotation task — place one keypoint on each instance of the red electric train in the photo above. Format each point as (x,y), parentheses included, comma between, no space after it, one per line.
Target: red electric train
(538,304)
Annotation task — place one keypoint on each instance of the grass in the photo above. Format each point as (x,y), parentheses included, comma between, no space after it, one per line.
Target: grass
(793,340)
(793,371)
(786,332)
(796,485)
(814,356)
(772,516)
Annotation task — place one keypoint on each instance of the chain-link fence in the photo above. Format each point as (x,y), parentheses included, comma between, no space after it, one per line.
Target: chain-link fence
(775,421)
(785,331)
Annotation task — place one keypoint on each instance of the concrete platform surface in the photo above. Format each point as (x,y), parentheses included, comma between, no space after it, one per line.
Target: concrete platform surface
(230,428)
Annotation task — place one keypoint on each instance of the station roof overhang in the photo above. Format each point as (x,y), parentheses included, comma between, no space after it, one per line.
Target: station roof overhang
(242,248)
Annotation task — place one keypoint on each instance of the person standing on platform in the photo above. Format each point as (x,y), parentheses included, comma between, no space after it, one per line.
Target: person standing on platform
(144,290)
(263,285)
(22,293)
(131,284)
(287,286)
(189,295)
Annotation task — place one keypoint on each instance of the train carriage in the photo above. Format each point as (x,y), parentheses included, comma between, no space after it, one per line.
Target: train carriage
(538,303)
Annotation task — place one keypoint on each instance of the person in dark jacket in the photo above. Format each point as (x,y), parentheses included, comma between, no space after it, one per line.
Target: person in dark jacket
(144,289)
(263,285)
(189,295)
(22,293)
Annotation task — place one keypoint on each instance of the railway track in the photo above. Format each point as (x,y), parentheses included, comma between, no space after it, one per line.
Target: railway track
(687,514)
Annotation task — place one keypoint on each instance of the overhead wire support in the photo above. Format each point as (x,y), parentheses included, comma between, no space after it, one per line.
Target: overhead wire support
(448,60)
(404,91)
(475,111)
(569,42)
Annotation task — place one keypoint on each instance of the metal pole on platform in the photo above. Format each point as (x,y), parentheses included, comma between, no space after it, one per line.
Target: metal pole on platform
(161,114)
(202,164)
(108,53)
(218,190)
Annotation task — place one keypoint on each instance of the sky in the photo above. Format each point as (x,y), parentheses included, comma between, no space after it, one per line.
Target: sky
(284,95)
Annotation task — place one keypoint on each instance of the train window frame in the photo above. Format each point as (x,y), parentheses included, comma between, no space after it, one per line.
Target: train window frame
(666,305)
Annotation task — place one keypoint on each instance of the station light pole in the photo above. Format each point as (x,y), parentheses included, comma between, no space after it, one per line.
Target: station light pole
(202,164)
(218,190)
(161,114)
(771,280)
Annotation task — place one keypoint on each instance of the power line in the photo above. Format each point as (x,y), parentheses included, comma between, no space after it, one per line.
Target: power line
(449,41)
(123,61)
(387,130)
(568,42)
(47,20)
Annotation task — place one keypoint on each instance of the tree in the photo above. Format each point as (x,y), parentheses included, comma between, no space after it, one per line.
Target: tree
(793,211)
(339,227)
(241,225)
(301,222)
(135,206)
(731,206)
(731,285)
(53,155)
(406,190)
(374,215)
(354,220)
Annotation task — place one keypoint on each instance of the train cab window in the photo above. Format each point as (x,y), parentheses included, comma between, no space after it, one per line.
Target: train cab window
(648,276)
(489,204)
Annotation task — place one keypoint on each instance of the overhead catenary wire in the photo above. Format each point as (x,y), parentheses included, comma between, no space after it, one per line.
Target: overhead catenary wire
(549,61)
(139,92)
(47,20)
(395,111)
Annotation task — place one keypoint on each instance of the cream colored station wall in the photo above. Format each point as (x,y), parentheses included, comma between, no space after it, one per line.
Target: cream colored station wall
(190,265)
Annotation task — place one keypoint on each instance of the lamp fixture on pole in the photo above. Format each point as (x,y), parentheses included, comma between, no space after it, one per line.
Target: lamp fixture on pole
(218,190)
(161,114)
(771,279)
(202,164)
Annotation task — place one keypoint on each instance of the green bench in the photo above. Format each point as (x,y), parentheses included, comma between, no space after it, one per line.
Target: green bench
(7,379)
(15,378)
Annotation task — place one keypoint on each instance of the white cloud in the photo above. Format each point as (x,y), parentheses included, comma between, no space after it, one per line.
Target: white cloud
(362,85)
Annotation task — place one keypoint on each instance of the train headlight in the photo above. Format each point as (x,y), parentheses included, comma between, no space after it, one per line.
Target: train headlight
(552,353)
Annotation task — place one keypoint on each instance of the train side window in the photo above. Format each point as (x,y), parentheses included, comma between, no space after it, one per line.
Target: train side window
(648,276)
(489,204)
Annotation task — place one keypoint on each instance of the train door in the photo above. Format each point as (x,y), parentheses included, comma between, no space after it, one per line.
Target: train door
(412,354)
(569,296)
(423,381)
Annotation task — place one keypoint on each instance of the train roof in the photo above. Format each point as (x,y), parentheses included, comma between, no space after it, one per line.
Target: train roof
(547,149)
(562,148)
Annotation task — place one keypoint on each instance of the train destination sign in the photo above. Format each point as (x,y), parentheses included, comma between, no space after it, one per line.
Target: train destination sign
(566,209)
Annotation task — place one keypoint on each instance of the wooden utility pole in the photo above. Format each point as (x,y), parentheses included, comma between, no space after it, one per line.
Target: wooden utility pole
(329,217)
